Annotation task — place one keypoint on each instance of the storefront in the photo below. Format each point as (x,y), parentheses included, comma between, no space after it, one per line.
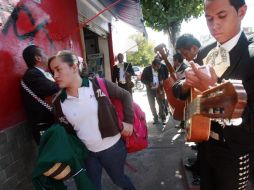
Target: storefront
(82,26)
(96,36)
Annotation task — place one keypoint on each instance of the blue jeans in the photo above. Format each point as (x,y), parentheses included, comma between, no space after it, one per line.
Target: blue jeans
(112,160)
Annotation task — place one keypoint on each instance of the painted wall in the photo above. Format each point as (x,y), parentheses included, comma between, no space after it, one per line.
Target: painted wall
(52,25)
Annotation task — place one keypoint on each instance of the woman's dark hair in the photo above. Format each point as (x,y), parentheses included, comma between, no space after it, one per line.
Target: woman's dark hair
(29,54)
(186,41)
(178,57)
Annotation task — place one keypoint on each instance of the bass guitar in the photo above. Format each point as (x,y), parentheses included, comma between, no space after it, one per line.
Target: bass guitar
(177,105)
(224,101)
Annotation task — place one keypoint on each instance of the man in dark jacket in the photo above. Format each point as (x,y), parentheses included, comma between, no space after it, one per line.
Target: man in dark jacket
(179,65)
(42,85)
(122,73)
(225,156)
(152,77)
(188,46)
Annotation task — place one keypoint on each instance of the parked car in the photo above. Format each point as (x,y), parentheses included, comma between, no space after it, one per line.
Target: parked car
(137,70)
(137,79)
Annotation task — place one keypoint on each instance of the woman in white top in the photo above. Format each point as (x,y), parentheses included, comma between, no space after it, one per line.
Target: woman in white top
(91,115)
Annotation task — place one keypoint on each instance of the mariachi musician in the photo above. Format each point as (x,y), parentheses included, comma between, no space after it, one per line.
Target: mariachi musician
(225,157)
(152,77)
(122,73)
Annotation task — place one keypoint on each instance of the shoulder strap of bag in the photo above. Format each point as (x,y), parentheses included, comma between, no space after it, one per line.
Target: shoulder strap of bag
(102,85)
(37,98)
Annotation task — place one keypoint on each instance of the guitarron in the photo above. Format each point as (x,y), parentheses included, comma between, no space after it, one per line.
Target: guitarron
(177,105)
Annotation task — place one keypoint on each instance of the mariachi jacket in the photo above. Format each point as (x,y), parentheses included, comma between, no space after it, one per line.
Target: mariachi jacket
(238,138)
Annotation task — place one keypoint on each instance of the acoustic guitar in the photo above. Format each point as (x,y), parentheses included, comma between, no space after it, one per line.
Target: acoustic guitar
(224,101)
(177,105)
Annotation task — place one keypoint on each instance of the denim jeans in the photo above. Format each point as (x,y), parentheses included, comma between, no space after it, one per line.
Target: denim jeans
(112,160)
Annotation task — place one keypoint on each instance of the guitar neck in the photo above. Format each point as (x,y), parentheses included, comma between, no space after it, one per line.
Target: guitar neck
(170,68)
(225,101)
(163,53)
(193,108)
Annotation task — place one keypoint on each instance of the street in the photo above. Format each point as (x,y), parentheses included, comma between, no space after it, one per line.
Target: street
(159,166)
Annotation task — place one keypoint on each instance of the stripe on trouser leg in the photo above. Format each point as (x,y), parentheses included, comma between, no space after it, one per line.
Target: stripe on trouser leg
(243,172)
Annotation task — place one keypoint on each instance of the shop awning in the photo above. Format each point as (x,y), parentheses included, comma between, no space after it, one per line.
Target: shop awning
(128,11)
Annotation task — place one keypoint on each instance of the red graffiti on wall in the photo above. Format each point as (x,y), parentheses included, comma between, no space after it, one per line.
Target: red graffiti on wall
(48,24)
(25,24)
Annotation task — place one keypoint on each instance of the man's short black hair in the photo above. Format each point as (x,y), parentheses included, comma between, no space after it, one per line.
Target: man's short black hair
(178,57)
(29,54)
(156,61)
(186,41)
(237,4)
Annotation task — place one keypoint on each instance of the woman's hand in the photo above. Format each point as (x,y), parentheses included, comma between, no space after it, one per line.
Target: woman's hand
(127,129)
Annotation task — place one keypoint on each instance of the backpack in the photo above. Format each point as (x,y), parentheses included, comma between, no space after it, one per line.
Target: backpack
(139,138)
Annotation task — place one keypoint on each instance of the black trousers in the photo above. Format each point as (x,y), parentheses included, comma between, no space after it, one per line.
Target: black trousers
(221,169)
(37,129)
(151,95)
(125,86)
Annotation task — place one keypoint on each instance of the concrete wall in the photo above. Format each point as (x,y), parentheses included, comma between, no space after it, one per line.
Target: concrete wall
(17,158)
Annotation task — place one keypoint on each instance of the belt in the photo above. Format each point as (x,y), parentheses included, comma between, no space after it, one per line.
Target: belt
(214,135)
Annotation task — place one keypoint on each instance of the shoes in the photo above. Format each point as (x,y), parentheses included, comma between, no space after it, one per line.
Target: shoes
(163,120)
(194,147)
(191,160)
(196,180)
(191,167)
(180,126)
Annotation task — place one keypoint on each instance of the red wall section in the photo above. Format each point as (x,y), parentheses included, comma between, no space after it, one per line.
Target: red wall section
(51,25)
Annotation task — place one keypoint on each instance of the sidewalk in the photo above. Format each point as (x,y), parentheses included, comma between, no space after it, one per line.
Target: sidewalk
(159,166)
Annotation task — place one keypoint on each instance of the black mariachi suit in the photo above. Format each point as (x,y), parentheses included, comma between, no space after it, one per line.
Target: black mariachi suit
(116,75)
(39,118)
(225,162)
(147,79)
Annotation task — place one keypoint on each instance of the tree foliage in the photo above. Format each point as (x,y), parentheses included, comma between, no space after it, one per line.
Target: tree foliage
(167,15)
(145,53)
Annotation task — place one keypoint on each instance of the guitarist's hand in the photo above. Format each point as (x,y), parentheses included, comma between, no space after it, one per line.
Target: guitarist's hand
(127,129)
(199,79)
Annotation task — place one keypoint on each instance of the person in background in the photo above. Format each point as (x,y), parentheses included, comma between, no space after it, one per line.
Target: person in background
(179,65)
(152,77)
(188,46)
(164,76)
(225,157)
(122,73)
(92,117)
(42,84)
